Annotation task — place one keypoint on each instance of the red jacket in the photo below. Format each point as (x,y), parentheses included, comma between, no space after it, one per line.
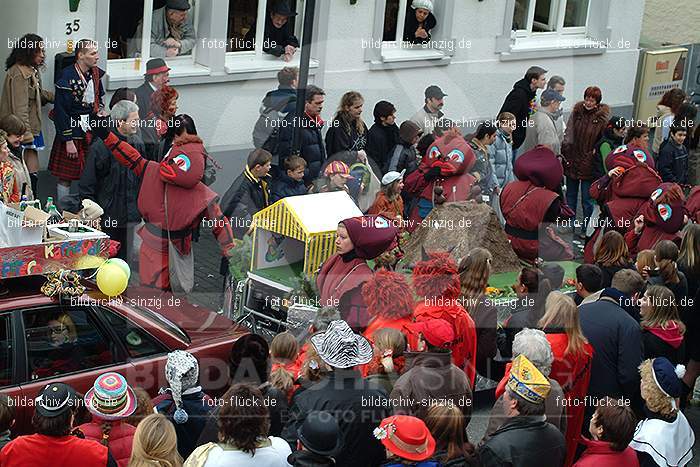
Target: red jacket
(121,437)
(692,205)
(600,454)
(464,347)
(38,449)
(573,373)
(340,285)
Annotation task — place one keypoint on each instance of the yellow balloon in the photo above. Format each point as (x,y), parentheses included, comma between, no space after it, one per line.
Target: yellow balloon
(111,280)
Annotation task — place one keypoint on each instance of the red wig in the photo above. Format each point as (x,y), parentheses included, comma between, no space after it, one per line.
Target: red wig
(161,100)
(437,277)
(387,294)
(594,92)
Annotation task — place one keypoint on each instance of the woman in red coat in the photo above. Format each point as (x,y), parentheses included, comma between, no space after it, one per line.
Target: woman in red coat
(110,401)
(571,366)
(342,276)
(612,428)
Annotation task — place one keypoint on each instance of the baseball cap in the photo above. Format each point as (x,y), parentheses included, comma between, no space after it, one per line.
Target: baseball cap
(391,177)
(550,95)
(437,332)
(434,92)
(55,399)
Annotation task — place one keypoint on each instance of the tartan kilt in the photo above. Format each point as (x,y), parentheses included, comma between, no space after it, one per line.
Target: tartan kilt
(61,166)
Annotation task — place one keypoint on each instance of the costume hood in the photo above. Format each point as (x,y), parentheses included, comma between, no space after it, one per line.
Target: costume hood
(452,154)
(665,208)
(371,235)
(627,156)
(541,167)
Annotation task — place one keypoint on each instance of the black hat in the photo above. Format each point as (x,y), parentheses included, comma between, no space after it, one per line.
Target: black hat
(55,399)
(434,91)
(155,66)
(282,8)
(181,5)
(321,434)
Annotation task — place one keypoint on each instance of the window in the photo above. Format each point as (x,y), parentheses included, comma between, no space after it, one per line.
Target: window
(550,16)
(137,341)
(142,29)
(6,352)
(394,43)
(65,340)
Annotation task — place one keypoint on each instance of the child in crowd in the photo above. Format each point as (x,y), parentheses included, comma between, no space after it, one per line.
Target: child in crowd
(7,419)
(15,129)
(645,263)
(404,156)
(672,162)
(406,439)
(612,138)
(388,202)
(388,361)
(336,176)
(419,22)
(612,429)
(284,350)
(291,182)
(484,137)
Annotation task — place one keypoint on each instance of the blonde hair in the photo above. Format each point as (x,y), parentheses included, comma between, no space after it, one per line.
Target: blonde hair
(389,339)
(474,272)
(65,321)
(348,100)
(663,309)
(655,399)
(562,313)
(155,444)
(689,256)
(313,368)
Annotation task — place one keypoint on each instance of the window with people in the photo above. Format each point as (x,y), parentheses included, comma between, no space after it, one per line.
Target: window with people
(64,341)
(277,20)
(409,21)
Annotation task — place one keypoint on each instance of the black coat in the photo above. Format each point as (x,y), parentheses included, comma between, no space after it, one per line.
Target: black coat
(518,103)
(524,442)
(617,343)
(672,163)
(309,459)
(357,406)
(114,187)
(198,408)
(143,98)
(679,289)
(275,39)
(381,140)
(283,185)
(654,347)
(245,197)
(311,147)
(411,26)
(344,136)
(403,156)
(609,272)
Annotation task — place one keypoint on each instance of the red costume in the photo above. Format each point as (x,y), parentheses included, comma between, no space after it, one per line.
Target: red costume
(572,372)
(389,302)
(532,200)
(663,219)
(341,276)
(437,282)
(692,205)
(455,159)
(172,201)
(621,197)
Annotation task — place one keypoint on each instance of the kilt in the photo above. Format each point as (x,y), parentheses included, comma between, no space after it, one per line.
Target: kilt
(61,166)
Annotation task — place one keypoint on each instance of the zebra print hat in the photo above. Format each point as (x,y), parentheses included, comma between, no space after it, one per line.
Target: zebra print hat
(339,347)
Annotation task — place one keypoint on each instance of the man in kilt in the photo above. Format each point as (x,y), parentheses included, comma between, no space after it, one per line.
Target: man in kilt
(79,95)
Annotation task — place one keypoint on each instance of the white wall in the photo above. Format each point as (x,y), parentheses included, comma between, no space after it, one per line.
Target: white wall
(671,22)
(476,80)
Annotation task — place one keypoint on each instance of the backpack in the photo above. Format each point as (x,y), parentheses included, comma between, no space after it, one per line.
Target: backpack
(267,127)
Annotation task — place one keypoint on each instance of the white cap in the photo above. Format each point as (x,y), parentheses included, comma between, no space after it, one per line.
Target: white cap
(391,177)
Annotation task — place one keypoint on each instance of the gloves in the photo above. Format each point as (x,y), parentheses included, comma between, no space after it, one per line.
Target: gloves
(91,210)
(99,126)
(432,174)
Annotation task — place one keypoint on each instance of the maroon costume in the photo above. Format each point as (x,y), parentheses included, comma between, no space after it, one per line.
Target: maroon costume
(692,205)
(172,201)
(621,197)
(341,277)
(664,218)
(532,200)
(455,159)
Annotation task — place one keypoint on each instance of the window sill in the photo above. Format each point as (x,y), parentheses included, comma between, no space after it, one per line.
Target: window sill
(124,74)
(413,57)
(245,66)
(552,47)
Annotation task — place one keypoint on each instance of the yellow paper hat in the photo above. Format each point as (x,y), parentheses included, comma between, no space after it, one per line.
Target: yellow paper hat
(526,381)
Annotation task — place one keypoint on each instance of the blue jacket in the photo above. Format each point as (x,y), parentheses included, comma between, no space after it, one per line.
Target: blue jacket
(284,185)
(501,157)
(672,162)
(198,406)
(69,105)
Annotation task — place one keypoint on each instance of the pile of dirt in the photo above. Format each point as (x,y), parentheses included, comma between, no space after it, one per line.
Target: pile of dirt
(459,227)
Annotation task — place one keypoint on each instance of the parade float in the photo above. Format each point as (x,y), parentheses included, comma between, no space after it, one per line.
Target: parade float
(31,245)
(289,242)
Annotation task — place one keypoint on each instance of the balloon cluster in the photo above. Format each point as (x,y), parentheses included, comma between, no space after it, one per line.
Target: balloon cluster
(113,277)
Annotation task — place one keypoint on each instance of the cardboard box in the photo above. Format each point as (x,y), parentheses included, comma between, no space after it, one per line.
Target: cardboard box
(22,228)
(60,231)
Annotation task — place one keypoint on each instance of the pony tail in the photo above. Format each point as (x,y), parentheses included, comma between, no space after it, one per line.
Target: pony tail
(106,429)
(282,379)
(668,272)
